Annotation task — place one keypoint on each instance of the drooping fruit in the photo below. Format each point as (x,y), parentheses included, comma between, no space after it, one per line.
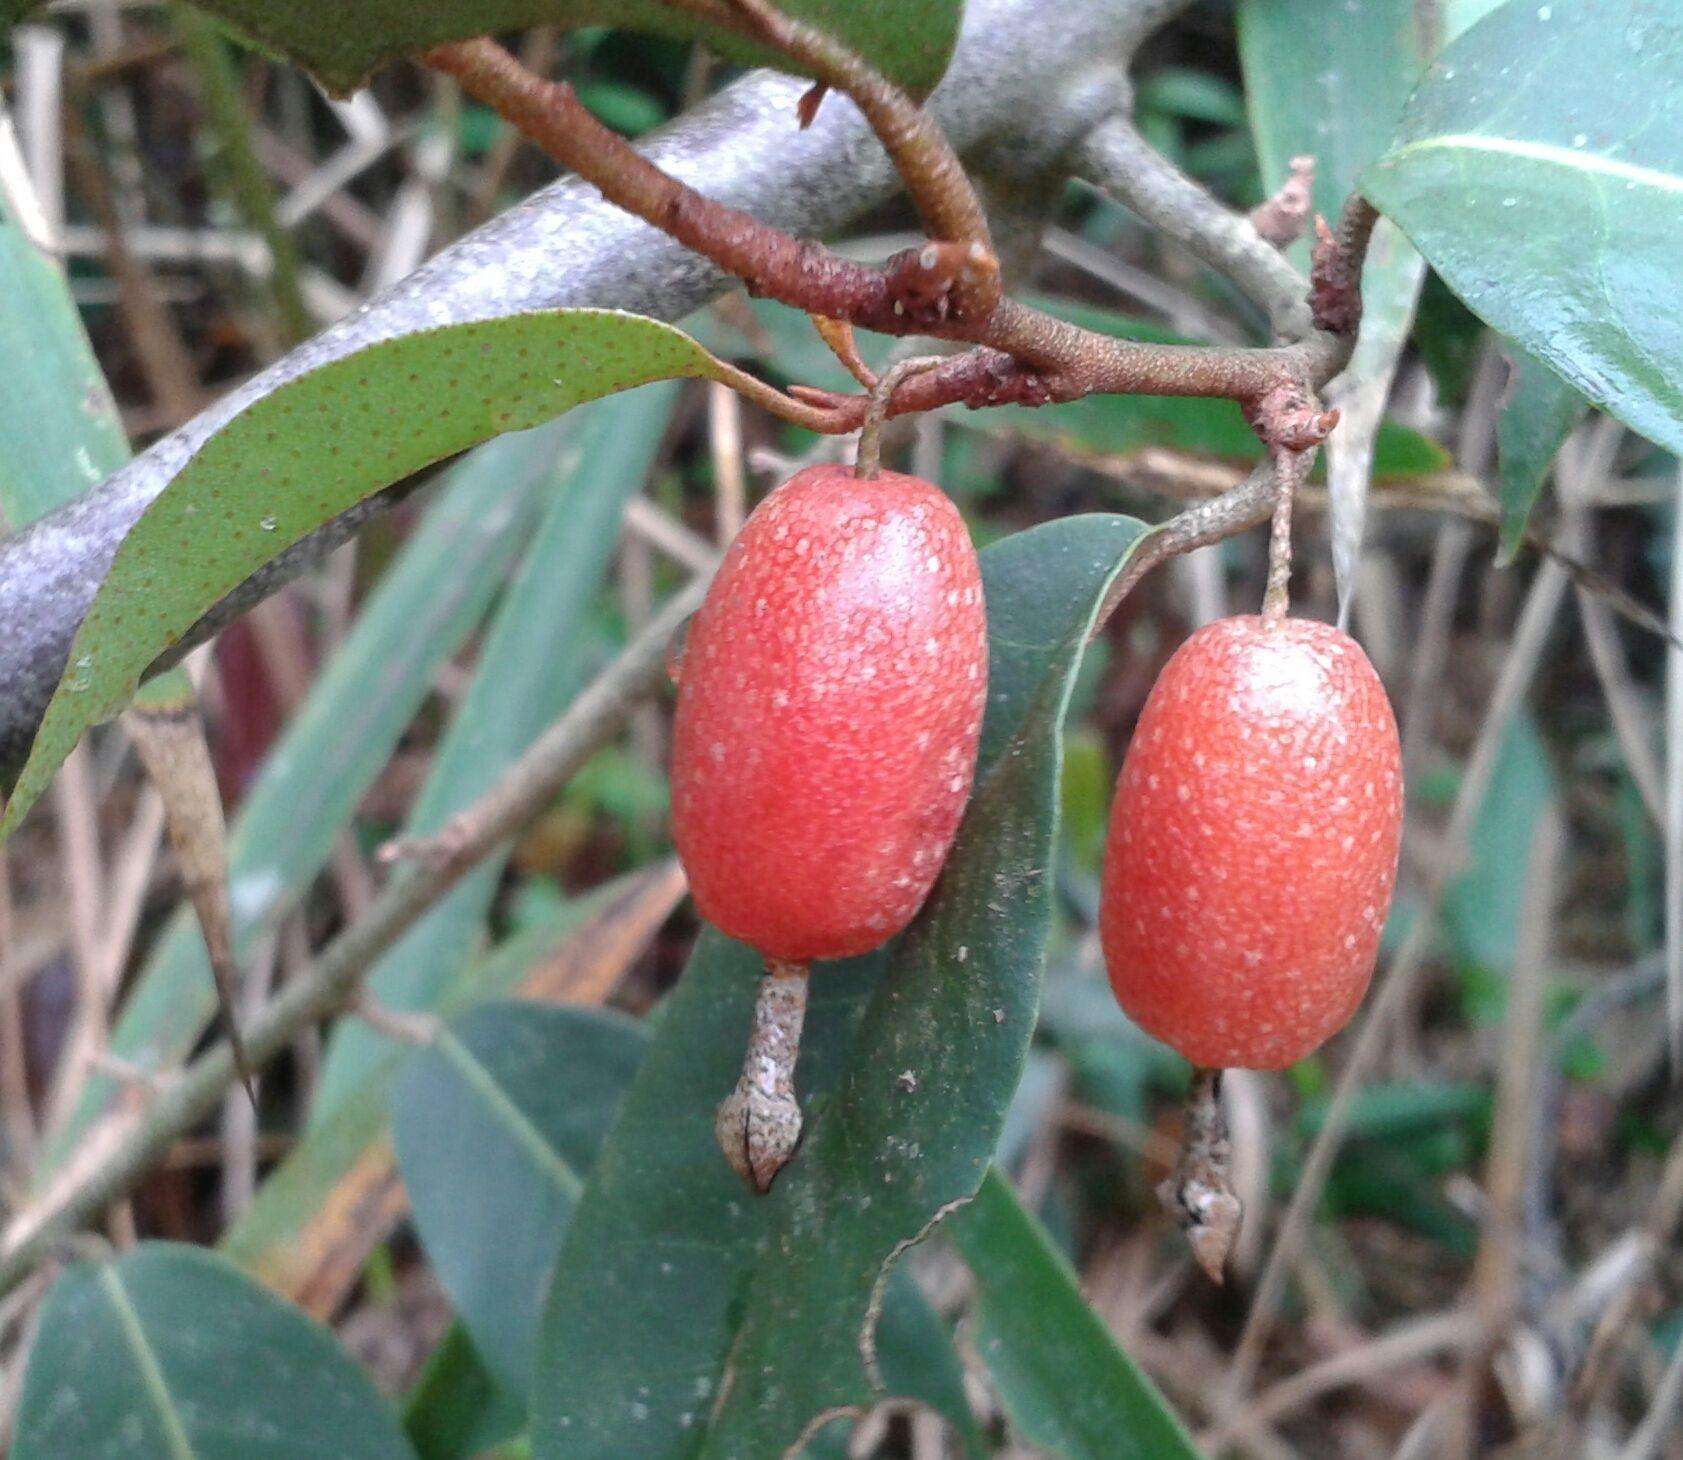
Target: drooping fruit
(1253,842)
(829,704)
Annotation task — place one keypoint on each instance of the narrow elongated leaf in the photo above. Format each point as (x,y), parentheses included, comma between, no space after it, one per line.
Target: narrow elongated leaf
(1539,413)
(306,795)
(315,447)
(1068,1388)
(1539,167)
(536,657)
(341,47)
(169,1353)
(59,433)
(689,1318)
(512,1108)
(1483,906)
(496,1126)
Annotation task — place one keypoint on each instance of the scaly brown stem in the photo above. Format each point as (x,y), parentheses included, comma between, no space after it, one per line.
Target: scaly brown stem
(758,1124)
(940,188)
(1290,468)
(947,288)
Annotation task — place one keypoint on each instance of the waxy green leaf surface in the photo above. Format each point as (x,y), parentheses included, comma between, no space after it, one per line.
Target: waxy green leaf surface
(1539,168)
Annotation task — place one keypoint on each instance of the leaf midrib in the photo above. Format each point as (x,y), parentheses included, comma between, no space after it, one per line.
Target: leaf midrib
(1546,152)
(146,1360)
(509,1115)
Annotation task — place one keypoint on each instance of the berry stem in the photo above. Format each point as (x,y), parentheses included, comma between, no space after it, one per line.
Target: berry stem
(758,1124)
(1198,1193)
(1290,467)
(868,460)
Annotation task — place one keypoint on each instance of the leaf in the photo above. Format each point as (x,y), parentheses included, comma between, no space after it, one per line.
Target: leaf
(1539,168)
(1538,414)
(309,1220)
(1067,1387)
(915,1350)
(690,1318)
(314,448)
(428,601)
(457,1410)
(60,433)
(495,1126)
(170,1354)
(536,656)
(1482,907)
(341,46)
(1338,100)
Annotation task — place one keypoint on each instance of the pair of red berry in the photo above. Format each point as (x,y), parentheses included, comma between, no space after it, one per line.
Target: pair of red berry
(828,714)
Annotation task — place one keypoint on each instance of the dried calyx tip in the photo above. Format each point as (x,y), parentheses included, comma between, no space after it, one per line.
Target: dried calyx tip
(1198,1193)
(758,1124)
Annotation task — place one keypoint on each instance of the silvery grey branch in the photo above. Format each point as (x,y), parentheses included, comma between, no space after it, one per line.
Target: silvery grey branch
(1022,79)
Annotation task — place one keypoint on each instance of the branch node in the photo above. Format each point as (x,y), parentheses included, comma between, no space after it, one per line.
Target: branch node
(937,283)
(1288,417)
(868,461)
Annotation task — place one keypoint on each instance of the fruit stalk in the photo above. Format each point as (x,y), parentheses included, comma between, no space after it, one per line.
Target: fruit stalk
(867,461)
(1289,470)
(758,1124)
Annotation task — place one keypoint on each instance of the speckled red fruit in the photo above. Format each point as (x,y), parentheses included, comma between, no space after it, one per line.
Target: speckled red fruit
(829,703)
(1253,843)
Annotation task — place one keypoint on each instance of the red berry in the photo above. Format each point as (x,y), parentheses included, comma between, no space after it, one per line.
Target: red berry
(1253,843)
(829,704)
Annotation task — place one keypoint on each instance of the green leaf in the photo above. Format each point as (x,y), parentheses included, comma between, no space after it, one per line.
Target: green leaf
(341,46)
(1482,907)
(1067,1387)
(60,433)
(265,1238)
(495,1126)
(1539,413)
(674,1280)
(169,1353)
(1539,167)
(426,604)
(314,448)
(1337,99)
(458,1411)
(536,657)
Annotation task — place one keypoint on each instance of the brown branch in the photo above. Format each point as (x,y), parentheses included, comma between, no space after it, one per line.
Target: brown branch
(1335,276)
(940,188)
(948,288)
